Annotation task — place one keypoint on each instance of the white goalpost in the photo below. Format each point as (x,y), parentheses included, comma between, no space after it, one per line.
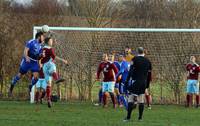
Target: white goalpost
(83,43)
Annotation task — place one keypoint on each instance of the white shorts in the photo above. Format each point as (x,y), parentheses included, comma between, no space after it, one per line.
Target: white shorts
(48,69)
(136,98)
(108,86)
(41,83)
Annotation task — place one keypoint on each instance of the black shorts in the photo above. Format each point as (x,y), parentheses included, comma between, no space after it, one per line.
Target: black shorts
(138,87)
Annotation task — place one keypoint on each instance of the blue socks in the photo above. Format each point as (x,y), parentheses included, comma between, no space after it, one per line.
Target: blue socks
(100,96)
(34,81)
(15,80)
(124,101)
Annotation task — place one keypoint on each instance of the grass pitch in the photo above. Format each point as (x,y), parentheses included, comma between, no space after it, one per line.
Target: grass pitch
(14,113)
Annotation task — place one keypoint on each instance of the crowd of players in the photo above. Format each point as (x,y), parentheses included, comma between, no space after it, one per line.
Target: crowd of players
(126,78)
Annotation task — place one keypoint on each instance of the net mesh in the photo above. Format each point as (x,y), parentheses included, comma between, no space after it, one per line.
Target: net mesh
(169,52)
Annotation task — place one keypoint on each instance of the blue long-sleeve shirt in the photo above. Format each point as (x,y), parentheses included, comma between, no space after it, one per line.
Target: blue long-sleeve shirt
(124,68)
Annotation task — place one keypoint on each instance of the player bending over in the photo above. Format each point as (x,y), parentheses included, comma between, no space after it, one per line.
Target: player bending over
(32,54)
(109,70)
(193,70)
(49,67)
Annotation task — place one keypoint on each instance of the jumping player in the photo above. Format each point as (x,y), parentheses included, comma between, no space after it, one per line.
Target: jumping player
(32,54)
(49,67)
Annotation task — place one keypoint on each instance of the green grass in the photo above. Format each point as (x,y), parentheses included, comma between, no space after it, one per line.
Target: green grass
(84,114)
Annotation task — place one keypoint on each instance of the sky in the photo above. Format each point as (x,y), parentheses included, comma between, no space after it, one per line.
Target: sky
(23,1)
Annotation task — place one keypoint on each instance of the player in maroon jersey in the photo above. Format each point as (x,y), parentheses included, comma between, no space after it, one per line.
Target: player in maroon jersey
(193,70)
(109,71)
(147,90)
(49,67)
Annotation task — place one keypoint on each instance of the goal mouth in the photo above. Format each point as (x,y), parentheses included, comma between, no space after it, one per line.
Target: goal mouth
(168,49)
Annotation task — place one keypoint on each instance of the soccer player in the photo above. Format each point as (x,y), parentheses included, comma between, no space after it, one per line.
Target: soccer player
(138,75)
(147,90)
(193,70)
(109,70)
(32,54)
(49,67)
(123,72)
(40,87)
(118,79)
(128,54)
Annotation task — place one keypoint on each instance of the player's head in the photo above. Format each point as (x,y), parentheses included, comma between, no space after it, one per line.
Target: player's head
(111,57)
(48,41)
(127,50)
(140,50)
(193,59)
(120,57)
(40,36)
(105,57)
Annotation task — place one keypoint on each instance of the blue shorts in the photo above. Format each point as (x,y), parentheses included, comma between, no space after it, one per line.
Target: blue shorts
(108,86)
(48,69)
(32,66)
(41,83)
(193,86)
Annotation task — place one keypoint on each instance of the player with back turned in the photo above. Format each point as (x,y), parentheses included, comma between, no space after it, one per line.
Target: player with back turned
(138,74)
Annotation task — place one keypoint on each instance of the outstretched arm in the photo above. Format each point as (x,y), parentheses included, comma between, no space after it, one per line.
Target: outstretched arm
(61,59)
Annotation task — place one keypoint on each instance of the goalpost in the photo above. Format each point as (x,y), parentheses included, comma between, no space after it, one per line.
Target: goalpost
(168,49)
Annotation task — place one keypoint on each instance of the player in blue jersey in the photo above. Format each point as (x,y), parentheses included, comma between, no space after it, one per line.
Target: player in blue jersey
(123,73)
(32,54)
(117,93)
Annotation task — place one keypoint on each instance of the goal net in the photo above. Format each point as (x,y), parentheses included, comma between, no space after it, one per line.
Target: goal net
(168,50)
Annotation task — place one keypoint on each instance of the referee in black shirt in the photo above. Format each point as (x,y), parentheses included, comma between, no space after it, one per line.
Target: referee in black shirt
(136,83)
